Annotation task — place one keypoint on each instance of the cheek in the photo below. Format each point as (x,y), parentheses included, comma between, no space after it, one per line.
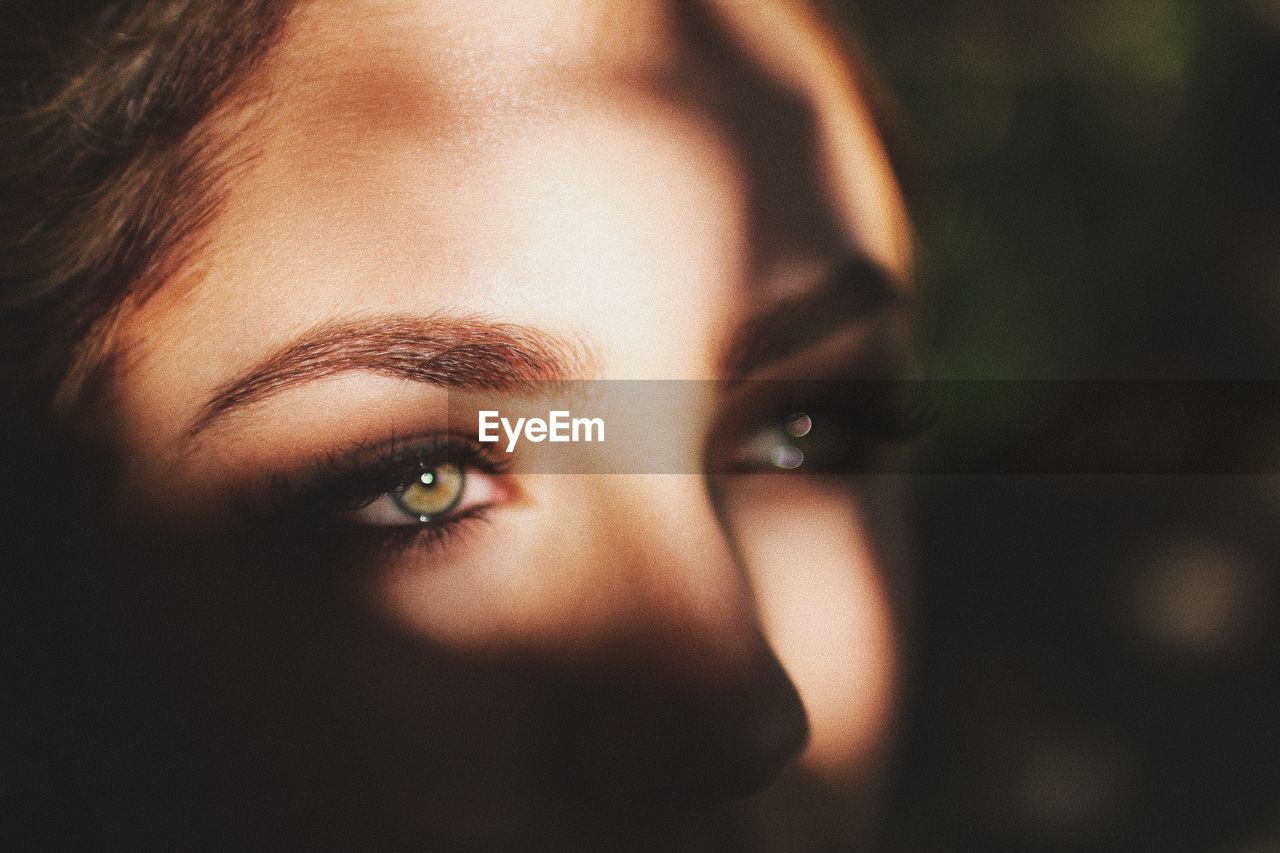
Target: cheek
(496,583)
(577,562)
(818,570)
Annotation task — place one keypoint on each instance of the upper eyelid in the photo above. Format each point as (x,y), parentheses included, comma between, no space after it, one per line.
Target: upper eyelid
(367,469)
(760,404)
(364,452)
(393,451)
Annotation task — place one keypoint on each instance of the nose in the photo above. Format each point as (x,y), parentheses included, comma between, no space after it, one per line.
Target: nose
(682,702)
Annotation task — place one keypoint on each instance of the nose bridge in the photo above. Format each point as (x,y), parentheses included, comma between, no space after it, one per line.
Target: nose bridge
(683,699)
(684,586)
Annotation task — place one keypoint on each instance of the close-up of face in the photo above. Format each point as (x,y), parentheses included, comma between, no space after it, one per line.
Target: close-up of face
(430,209)
(689,426)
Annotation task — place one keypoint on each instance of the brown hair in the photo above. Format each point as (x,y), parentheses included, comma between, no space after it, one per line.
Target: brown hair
(106,175)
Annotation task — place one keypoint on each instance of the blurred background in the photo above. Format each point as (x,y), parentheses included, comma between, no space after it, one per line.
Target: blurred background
(1095,640)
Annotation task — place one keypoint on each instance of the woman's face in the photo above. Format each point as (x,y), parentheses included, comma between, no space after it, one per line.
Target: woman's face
(438,208)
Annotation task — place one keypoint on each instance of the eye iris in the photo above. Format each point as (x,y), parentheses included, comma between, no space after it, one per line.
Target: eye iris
(434,492)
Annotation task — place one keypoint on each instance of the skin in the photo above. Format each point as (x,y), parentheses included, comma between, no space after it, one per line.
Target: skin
(598,661)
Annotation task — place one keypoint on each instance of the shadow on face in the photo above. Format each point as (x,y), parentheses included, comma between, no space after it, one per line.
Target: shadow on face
(257,697)
(309,642)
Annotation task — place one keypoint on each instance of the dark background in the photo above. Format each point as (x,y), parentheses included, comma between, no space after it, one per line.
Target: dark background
(1095,661)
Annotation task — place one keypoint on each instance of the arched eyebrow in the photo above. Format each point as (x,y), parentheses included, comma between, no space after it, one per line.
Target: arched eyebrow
(455,352)
(852,292)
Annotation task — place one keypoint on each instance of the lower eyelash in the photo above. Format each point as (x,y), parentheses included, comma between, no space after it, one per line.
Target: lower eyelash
(424,539)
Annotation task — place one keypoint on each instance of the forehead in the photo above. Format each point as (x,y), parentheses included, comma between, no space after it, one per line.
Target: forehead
(439,73)
(536,160)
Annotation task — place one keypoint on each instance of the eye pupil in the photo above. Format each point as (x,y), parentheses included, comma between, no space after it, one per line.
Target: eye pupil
(433,493)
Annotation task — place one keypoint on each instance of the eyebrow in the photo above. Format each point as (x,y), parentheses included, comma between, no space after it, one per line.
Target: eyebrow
(857,289)
(456,352)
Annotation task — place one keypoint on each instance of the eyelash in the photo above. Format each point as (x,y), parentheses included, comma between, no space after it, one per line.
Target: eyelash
(352,480)
(345,482)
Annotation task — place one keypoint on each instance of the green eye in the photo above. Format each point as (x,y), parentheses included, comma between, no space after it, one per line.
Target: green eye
(434,493)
